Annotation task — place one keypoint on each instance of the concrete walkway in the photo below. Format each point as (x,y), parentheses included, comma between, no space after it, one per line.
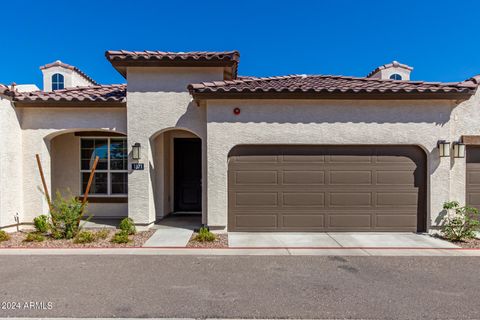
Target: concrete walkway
(174,231)
(334,240)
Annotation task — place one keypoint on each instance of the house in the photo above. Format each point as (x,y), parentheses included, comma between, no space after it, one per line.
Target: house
(186,133)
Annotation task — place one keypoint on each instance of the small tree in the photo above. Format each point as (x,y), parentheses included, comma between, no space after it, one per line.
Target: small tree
(65,214)
(460,223)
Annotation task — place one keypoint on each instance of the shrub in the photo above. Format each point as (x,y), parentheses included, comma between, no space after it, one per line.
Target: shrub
(102,234)
(4,236)
(462,224)
(128,226)
(204,235)
(66,214)
(84,237)
(41,223)
(121,237)
(34,237)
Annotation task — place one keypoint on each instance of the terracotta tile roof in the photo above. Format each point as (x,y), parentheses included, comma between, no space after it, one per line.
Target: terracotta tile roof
(115,93)
(59,63)
(120,58)
(324,85)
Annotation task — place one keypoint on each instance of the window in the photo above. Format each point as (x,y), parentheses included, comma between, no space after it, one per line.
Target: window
(111,174)
(57,81)
(396,76)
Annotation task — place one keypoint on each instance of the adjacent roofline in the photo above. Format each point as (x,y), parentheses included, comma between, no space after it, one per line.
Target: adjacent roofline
(59,63)
(121,59)
(305,87)
(395,64)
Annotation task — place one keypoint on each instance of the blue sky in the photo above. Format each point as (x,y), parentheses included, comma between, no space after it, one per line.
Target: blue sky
(438,38)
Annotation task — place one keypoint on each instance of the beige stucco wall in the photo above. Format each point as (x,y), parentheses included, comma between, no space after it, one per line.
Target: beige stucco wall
(39,127)
(71,78)
(420,123)
(158,101)
(11,170)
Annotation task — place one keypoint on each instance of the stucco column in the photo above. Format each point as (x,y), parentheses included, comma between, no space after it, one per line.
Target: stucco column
(140,192)
(439,186)
(458,180)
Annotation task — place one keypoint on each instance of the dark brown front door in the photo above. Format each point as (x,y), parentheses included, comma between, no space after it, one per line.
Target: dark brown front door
(327,188)
(187,174)
(473,176)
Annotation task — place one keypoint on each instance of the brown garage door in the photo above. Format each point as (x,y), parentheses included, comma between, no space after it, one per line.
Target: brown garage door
(320,188)
(473,176)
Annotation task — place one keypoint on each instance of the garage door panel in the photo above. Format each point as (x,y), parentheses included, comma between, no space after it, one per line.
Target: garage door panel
(256,177)
(350,177)
(297,177)
(473,178)
(321,188)
(350,199)
(352,222)
(303,199)
(257,199)
(303,221)
(397,199)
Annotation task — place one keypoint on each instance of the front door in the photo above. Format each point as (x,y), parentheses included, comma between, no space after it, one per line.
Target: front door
(187,174)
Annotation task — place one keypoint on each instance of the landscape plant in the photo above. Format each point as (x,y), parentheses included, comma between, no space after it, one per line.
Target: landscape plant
(460,222)
(66,212)
(121,237)
(34,237)
(205,235)
(84,237)
(41,223)
(102,234)
(4,236)
(128,226)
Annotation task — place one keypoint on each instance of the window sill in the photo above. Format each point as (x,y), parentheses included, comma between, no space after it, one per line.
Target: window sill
(94,199)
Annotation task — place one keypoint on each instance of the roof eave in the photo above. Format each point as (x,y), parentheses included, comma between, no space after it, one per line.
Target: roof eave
(68,104)
(333,96)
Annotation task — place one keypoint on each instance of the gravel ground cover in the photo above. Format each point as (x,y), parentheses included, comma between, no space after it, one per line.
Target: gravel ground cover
(220,242)
(17,241)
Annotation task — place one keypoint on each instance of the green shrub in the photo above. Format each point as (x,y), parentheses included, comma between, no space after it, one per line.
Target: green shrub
(34,237)
(84,237)
(41,223)
(102,234)
(121,237)
(4,236)
(66,214)
(204,235)
(462,224)
(128,226)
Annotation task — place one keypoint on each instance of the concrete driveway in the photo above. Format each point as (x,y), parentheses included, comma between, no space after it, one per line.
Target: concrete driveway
(335,240)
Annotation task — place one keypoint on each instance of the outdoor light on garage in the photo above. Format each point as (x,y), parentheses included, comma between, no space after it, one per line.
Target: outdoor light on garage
(444,148)
(136,151)
(458,150)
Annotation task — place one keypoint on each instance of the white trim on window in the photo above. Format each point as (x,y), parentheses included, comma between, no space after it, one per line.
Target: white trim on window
(108,170)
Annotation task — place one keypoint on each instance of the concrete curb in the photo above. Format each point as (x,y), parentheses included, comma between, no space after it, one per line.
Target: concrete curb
(286,251)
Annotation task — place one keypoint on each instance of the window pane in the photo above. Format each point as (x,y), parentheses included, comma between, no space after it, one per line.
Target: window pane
(118,154)
(87,143)
(99,184)
(119,183)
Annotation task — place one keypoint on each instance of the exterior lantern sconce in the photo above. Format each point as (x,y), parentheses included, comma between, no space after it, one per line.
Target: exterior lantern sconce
(458,150)
(444,148)
(136,151)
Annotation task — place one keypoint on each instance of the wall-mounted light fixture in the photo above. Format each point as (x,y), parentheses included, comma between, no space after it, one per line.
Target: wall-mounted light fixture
(136,151)
(458,150)
(444,148)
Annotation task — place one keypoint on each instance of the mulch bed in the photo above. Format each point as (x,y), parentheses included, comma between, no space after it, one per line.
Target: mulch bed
(16,241)
(472,243)
(220,242)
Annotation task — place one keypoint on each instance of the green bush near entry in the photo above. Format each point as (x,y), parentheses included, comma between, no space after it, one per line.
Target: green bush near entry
(462,224)
(41,223)
(121,237)
(128,226)
(4,236)
(84,237)
(102,234)
(204,235)
(66,214)
(34,237)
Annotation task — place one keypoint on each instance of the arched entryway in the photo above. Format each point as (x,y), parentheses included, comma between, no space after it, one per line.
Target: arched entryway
(177,173)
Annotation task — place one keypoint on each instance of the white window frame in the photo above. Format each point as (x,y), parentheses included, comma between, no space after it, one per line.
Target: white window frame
(57,83)
(108,171)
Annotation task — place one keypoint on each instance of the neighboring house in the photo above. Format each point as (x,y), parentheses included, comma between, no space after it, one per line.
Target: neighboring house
(289,153)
